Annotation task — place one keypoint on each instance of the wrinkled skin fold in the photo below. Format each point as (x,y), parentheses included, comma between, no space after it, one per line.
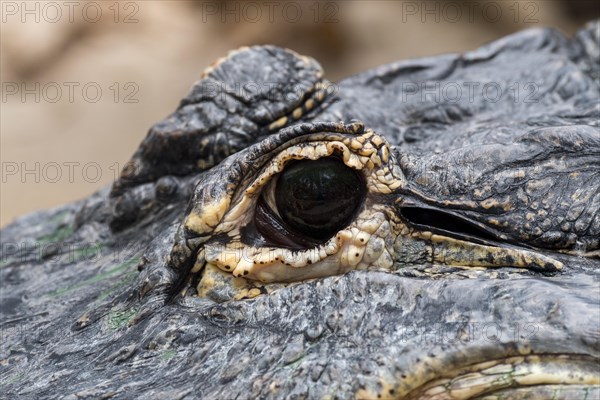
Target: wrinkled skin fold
(484,281)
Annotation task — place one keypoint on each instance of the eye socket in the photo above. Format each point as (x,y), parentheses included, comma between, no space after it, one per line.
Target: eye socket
(312,200)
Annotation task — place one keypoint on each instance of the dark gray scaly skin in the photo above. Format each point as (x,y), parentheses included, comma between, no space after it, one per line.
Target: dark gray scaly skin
(79,320)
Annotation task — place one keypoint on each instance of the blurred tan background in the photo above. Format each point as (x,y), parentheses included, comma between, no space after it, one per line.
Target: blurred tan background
(83,81)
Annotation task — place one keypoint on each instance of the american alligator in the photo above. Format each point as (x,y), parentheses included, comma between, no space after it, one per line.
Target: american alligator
(426,229)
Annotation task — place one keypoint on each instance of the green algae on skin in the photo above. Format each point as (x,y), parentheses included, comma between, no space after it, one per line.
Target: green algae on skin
(118,319)
(62,228)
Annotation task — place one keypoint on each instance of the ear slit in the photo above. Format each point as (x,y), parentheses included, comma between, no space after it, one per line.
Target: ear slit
(445,222)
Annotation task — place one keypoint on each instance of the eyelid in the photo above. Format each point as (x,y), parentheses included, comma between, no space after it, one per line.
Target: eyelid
(268,195)
(277,231)
(364,158)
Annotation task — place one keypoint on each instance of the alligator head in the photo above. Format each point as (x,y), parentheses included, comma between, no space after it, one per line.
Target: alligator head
(420,248)
(323,199)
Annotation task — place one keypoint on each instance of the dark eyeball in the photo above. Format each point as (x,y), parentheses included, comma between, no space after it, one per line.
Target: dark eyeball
(318,197)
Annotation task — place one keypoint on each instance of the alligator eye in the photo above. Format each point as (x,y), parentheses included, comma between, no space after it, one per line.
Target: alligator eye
(317,198)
